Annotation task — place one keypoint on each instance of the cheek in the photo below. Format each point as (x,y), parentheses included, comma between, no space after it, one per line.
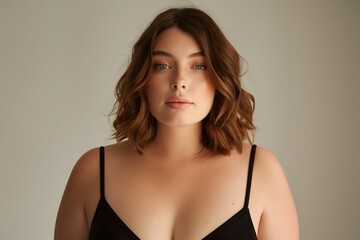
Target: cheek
(205,94)
(150,92)
(157,84)
(154,93)
(206,84)
(208,89)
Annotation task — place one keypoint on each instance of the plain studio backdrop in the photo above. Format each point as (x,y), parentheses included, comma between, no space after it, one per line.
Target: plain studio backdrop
(60,61)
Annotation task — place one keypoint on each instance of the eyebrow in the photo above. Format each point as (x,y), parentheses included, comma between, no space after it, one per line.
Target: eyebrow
(167,54)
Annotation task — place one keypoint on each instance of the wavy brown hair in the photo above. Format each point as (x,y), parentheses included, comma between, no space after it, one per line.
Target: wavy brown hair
(230,120)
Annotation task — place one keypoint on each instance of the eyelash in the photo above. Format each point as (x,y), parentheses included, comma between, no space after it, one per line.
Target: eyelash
(163,66)
(202,67)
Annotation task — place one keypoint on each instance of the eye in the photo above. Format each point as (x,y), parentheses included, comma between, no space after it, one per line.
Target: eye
(199,67)
(161,66)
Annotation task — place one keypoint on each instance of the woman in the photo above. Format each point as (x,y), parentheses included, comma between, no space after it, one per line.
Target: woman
(183,167)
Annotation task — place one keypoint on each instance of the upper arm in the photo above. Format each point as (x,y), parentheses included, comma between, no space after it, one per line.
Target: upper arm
(71,221)
(279,218)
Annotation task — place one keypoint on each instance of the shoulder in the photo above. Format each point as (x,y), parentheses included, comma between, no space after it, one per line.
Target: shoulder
(265,161)
(86,167)
(89,162)
(82,193)
(72,220)
(269,174)
(279,210)
(267,164)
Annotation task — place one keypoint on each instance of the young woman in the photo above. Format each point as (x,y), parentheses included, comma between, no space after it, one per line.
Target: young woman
(183,167)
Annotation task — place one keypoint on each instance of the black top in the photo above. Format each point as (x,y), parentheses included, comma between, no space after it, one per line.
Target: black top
(107,225)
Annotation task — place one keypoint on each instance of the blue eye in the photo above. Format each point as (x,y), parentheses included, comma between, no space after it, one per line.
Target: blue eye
(199,67)
(161,66)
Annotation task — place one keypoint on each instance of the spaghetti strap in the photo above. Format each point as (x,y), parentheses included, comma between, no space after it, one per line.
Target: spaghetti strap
(102,172)
(249,177)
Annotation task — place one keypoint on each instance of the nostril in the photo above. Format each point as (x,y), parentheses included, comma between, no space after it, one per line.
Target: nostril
(177,86)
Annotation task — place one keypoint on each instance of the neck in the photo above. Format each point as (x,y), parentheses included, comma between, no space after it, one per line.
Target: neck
(176,143)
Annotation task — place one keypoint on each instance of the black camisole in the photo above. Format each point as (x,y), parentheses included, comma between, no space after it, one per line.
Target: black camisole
(107,225)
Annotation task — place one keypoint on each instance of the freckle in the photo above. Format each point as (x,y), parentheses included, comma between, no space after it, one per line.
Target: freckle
(232,203)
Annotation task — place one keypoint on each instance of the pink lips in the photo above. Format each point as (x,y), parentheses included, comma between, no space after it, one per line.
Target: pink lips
(178,102)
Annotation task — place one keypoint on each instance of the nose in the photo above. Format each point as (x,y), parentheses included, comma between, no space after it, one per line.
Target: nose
(177,85)
(179,82)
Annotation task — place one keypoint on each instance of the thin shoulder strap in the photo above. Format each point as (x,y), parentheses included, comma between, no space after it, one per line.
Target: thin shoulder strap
(102,172)
(249,177)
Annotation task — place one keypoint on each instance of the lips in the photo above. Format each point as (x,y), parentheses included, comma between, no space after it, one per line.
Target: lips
(178,102)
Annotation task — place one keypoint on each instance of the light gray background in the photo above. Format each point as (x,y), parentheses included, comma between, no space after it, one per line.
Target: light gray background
(60,60)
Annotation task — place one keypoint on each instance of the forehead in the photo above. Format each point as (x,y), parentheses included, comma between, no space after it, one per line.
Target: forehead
(175,40)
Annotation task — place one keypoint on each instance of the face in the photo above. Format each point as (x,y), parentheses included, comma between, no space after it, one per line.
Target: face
(180,91)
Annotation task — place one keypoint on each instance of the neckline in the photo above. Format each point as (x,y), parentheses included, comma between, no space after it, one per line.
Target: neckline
(132,235)
(243,210)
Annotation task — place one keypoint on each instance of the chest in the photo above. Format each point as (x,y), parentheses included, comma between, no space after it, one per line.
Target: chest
(186,202)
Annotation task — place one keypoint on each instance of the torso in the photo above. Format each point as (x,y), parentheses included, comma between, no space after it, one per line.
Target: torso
(185,200)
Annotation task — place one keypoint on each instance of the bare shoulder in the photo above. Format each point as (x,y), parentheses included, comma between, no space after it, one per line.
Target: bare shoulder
(267,165)
(85,173)
(72,220)
(269,173)
(86,166)
(279,217)
(82,193)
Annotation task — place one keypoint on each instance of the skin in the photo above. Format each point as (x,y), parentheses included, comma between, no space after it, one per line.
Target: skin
(177,189)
